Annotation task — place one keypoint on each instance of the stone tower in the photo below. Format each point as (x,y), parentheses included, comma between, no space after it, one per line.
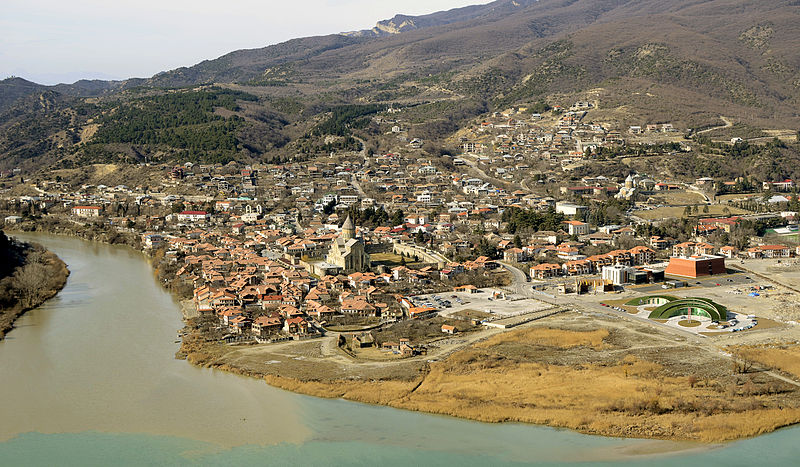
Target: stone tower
(629,181)
(348,229)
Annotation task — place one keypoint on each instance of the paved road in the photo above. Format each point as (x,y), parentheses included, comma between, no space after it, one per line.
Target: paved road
(698,341)
(734,279)
(519,281)
(331,353)
(775,278)
(520,286)
(695,338)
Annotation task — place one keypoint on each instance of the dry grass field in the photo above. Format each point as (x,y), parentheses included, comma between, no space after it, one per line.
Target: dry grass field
(729,197)
(622,304)
(689,323)
(589,373)
(678,212)
(602,381)
(784,358)
(678,198)
(385,258)
(549,337)
(391,260)
(469,313)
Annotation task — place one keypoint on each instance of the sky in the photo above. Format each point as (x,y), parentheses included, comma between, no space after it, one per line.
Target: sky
(53,41)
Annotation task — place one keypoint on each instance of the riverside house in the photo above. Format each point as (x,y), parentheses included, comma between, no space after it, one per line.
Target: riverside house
(87,211)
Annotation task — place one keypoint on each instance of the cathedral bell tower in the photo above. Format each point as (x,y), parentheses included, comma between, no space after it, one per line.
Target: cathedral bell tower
(348,229)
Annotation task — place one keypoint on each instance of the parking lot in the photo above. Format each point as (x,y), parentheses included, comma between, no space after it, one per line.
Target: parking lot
(493,301)
(735,279)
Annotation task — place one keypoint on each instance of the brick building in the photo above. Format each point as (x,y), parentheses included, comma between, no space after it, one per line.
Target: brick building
(696,266)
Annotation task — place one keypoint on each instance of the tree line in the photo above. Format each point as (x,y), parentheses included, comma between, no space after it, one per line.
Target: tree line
(520,220)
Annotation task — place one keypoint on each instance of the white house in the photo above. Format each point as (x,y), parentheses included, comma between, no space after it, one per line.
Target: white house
(87,211)
(569,209)
(193,216)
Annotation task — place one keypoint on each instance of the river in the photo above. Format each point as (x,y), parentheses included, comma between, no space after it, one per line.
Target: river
(89,378)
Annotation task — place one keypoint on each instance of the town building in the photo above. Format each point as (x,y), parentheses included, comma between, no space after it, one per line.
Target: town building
(193,216)
(152,240)
(545,270)
(769,251)
(347,251)
(570,209)
(618,274)
(87,211)
(696,266)
(577,227)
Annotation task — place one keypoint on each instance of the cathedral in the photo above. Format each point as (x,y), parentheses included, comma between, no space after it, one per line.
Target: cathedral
(347,251)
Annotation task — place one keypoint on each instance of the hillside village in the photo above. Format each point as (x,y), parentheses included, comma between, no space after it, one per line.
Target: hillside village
(583,214)
(346,241)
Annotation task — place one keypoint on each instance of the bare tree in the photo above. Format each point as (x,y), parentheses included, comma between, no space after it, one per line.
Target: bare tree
(31,282)
(36,256)
(692,380)
(742,365)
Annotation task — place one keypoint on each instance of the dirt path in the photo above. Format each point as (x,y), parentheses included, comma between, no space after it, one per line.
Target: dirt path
(326,351)
(502,183)
(778,376)
(727,124)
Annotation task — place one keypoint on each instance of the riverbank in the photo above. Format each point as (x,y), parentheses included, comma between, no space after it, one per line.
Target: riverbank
(95,232)
(112,304)
(38,277)
(592,374)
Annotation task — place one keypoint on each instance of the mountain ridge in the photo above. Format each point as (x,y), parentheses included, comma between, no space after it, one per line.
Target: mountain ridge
(403,23)
(687,61)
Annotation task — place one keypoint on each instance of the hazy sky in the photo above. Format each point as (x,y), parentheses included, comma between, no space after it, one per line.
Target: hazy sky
(52,41)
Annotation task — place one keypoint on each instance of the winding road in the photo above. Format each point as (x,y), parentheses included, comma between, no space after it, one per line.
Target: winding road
(519,281)
(474,166)
(727,124)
